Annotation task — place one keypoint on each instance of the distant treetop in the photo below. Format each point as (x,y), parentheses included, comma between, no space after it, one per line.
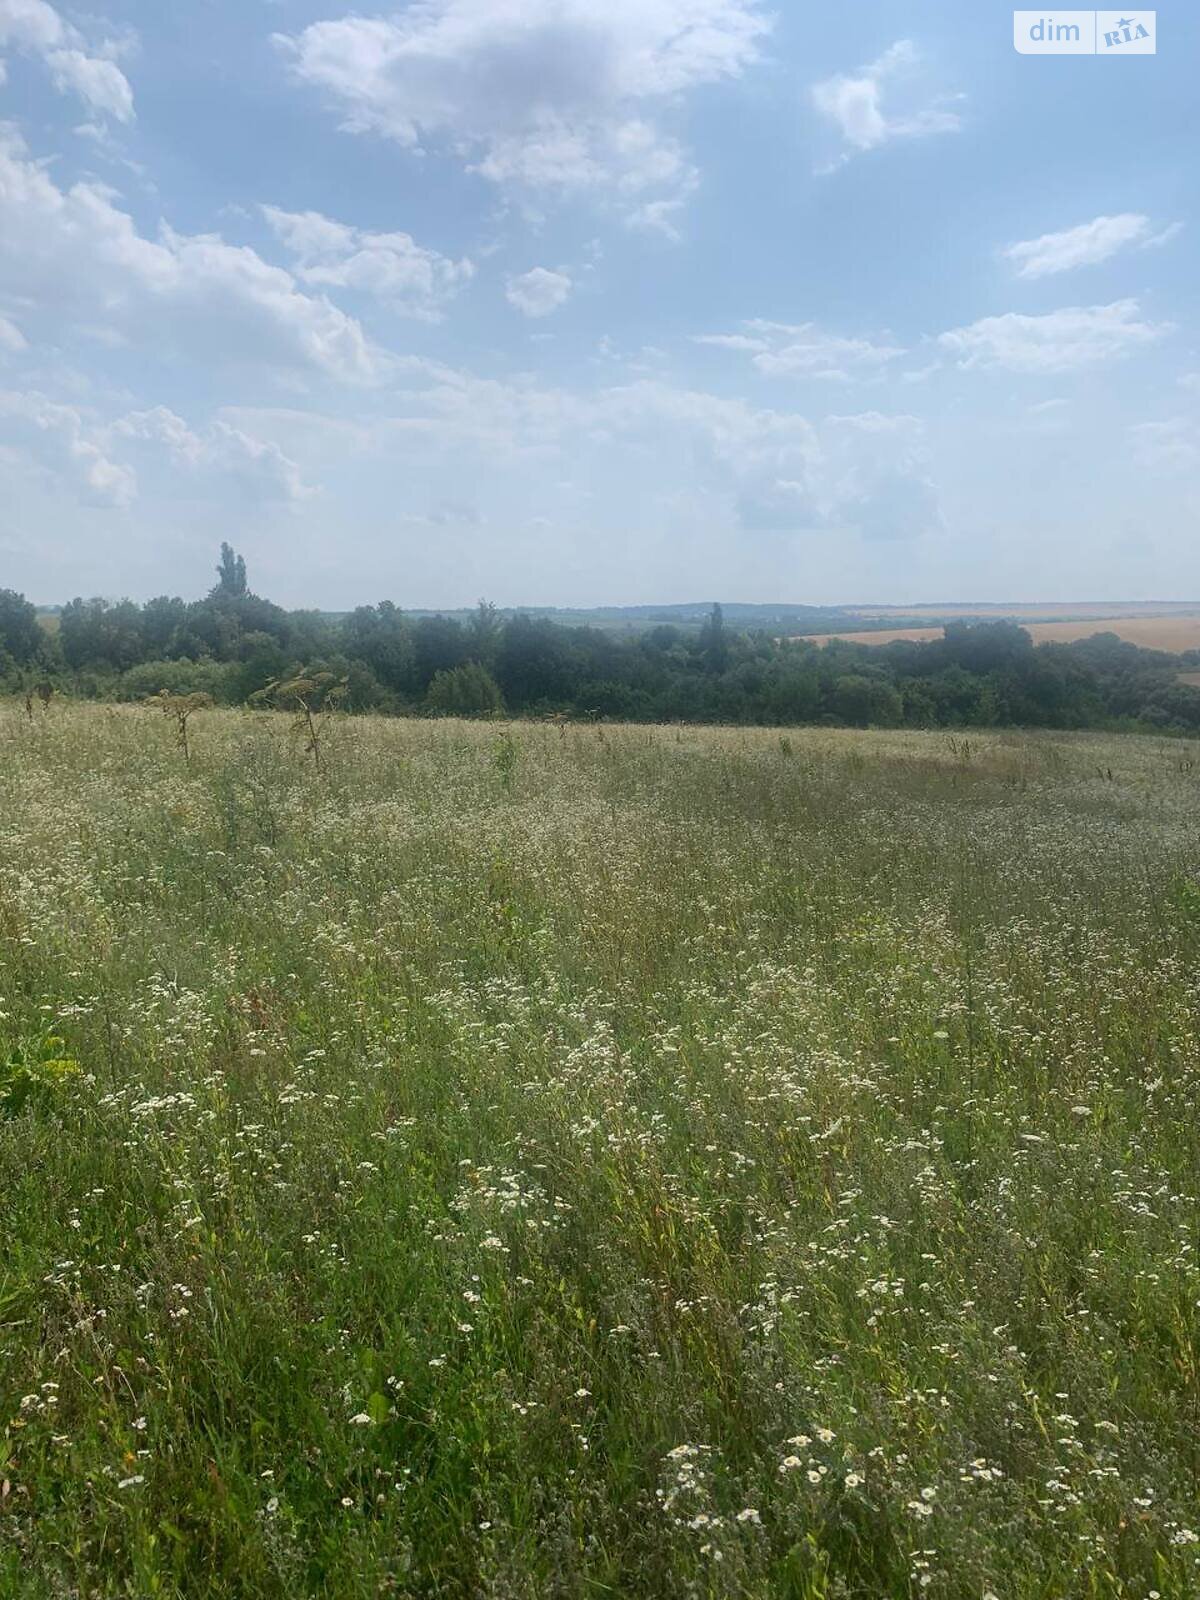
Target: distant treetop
(231,575)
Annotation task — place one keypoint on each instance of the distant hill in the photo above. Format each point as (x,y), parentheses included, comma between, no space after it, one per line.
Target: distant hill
(792,620)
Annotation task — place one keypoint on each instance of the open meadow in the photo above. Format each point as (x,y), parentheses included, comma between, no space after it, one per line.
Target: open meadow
(520,1161)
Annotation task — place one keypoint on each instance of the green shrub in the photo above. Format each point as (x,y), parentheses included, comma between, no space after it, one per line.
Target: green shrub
(33,1073)
(466,691)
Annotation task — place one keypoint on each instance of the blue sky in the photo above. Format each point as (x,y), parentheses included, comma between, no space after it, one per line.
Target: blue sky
(554,302)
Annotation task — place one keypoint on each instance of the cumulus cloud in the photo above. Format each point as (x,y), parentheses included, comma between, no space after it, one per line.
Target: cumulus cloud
(1086,245)
(68,448)
(803,350)
(1166,447)
(785,473)
(75,257)
(1076,336)
(881,482)
(539,94)
(391,266)
(882,101)
(538,292)
(257,467)
(36,28)
(770,470)
(100,84)
(98,461)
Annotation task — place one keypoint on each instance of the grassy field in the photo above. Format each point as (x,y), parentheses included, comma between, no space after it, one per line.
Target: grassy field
(628,1162)
(1175,633)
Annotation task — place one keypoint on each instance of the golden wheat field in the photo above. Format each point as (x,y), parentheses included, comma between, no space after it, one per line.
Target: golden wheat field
(1173,632)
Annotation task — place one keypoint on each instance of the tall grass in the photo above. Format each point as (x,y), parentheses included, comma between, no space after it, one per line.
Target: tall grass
(603,1161)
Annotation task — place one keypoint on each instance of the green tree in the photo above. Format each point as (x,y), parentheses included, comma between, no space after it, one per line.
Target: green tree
(484,629)
(21,634)
(231,575)
(466,691)
(99,633)
(862,701)
(381,638)
(714,646)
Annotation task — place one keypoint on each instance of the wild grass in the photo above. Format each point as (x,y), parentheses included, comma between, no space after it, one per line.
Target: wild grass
(596,1161)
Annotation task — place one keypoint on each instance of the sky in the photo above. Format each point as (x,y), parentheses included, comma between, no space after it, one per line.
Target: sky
(554,302)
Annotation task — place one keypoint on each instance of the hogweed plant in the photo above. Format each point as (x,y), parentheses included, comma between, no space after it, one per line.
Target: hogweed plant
(505,758)
(313,697)
(34,693)
(181,708)
(682,1172)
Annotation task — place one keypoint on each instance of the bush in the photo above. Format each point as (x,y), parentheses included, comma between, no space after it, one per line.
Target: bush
(466,691)
(865,701)
(217,678)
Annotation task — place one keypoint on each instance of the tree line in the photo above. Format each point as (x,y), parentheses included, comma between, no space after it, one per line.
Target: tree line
(233,645)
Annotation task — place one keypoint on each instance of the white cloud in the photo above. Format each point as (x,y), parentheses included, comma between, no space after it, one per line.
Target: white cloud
(880,481)
(538,292)
(1076,336)
(390,265)
(854,103)
(67,447)
(761,468)
(1170,446)
(625,452)
(11,337)
(100,84)
(31,25)
(36,27)
(803,350)
(1086,245)
(539,94)
(74,257)
(660,216)
(258,468)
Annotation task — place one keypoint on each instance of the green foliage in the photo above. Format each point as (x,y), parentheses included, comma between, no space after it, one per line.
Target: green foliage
(33,1073)
(231,575)
(217,679)
(233,643)
(21,636)
(866,702)
(505,759)
(466,691)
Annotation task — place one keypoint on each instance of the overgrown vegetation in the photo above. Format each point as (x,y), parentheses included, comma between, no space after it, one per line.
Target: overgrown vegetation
(233,644)
(536,1162)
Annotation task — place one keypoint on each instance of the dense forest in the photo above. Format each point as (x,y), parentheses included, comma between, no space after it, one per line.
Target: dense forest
(239,648)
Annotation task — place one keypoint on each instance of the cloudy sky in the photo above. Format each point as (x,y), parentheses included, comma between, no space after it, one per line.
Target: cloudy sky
(562,302)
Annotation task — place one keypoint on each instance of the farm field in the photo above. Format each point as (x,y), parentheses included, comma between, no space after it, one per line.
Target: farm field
(523,1162)
(1040,610)
(1168,632)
